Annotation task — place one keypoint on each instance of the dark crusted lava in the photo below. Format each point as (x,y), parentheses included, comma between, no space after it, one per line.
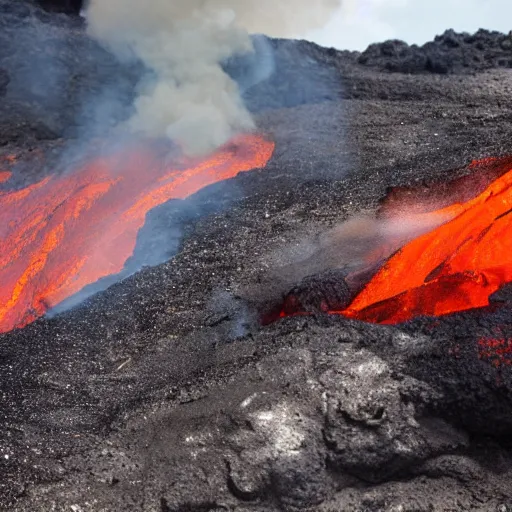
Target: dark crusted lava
(163,393)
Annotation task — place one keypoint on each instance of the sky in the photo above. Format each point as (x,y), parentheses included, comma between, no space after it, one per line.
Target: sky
(359,23)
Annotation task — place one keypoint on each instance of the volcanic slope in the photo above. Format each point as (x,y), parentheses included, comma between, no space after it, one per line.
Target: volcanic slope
(163,393)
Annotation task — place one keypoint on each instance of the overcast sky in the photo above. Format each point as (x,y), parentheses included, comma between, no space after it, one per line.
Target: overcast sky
(361,22)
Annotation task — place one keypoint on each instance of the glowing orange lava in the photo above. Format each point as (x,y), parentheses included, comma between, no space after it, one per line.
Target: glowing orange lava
(4,176)
(65,232)
(454,267)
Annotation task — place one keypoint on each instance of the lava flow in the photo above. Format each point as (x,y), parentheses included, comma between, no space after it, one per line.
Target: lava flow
(65,232)
(453,267)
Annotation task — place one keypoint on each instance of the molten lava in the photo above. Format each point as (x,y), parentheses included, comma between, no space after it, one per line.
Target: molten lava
(454,267)
(463,258)
(4,176)
(65,232)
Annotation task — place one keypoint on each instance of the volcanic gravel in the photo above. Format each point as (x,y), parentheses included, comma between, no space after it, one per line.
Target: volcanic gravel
(164,393)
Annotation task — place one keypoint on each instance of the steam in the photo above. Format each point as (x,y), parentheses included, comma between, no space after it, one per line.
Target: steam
(186,95)
(358,247)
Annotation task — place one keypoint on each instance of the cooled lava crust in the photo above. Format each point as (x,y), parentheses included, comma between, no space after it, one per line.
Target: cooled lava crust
(164,392)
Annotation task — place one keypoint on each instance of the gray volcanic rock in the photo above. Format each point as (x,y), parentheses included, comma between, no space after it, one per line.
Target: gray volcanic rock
(60,83)
(4,80)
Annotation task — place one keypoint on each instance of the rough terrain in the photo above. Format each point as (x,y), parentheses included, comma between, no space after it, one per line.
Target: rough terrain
(164,394)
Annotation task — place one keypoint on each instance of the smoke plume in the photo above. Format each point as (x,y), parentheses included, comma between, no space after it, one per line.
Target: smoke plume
(186,95)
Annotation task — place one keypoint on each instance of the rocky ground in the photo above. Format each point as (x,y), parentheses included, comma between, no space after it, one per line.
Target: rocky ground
(165,394)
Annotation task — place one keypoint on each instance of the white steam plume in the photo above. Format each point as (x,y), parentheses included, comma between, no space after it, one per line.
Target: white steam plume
(183,42)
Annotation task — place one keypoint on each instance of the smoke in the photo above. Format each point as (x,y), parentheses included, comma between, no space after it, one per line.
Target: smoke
(186,95)
(356,248)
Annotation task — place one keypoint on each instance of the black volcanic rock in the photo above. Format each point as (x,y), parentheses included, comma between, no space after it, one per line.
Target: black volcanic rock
(4,80)
(66,6)
(164,393)
(450,52)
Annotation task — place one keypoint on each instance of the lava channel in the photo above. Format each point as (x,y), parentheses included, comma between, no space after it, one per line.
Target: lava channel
(65,232)
(454,267)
